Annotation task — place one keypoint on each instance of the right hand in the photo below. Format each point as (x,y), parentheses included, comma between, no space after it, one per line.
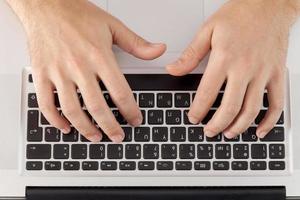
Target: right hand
(70,44)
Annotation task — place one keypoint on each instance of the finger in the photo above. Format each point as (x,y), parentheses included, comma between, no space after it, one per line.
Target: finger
(230,107)
(71,108)
(207,92)
(98,108)
(134,44)
(45,96)
(251,107)
(276,102)
(193,54)
(119,90)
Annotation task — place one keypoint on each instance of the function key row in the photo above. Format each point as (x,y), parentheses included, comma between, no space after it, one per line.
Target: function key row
(147,100)
(155,151)
(151,165)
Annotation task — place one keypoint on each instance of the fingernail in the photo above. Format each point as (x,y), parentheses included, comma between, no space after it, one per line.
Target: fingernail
(137,122)
(261,134)
(209,133)
(65,130)
(156,44)
(193,120)
(229,135)
(96,138)
(117,138)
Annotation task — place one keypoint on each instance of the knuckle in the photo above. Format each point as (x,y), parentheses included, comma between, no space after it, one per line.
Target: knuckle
(122,98)
(70,111)
(277,106)
(45,107)
(189,53)
(94,106)
(231,109)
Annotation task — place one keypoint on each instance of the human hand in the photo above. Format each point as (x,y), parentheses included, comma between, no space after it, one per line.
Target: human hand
(248,41)
(70,44)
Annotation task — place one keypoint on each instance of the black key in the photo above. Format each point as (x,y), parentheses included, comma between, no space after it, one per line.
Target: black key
(164,100)
(240,151)
(183,165)
(275,135)
(126,165)
(187,151)
(121,120)
(34,165)
(155,117)
(277,165)
(97,151)
(115,151)
(164,165)
(56,100)
(173,117)
(218,100)
(151,151)
(235,139)
(195,134)
(202,165)
(52,165)
(109,100)
(193,96)
(258,165)
(182,100)
(221,165)
(178,134)
(83,139)
(250,135)
(38,151)
(44,121)
(266,101)
(160,134)
(90,166)
(145,165)
(80,98)
(239,165)
(142,134)
(144,116)
(259,151)
(262,114)
(105,138)
(71,165)
(52,134)
(208,117)
(30,79)
(108,165)
(72,136)
(61,151)
(276,151)
(223,151)
(169,151)
(79,151)
(128,134)
(217,138)
(133,151)
(185,118)
(32,101)
(35,135)
(146,100)
(204,151)
(34,132)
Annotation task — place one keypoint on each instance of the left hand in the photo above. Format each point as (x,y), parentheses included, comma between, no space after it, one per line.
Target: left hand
(248,41)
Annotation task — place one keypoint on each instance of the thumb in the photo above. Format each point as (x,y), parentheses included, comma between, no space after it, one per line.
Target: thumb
(193,54)
(134,44)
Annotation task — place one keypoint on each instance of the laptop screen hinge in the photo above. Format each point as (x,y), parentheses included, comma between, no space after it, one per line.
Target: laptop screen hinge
(156,193)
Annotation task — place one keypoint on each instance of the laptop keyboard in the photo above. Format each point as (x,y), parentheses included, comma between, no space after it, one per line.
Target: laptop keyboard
(165,142)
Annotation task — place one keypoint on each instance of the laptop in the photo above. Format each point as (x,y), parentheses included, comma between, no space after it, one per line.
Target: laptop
(166,157)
